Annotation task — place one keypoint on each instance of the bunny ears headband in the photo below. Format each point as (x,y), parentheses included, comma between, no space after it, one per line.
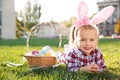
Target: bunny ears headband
(100,17)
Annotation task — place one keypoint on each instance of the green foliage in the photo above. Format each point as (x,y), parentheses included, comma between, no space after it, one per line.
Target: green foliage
(32,14)
(70,22)
(117,27)
(19,29)
(14,50)
(28,18)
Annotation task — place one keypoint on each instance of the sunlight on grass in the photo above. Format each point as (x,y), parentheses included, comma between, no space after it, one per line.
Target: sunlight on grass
(14,50)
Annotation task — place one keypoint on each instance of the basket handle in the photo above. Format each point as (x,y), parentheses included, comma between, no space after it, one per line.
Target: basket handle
(34,27)
(29,34)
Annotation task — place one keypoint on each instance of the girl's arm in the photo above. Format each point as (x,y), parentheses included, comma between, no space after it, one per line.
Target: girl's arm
(72,62)
(90,68)
(100,61)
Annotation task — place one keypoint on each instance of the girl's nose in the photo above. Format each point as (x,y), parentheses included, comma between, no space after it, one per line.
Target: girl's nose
(87,42)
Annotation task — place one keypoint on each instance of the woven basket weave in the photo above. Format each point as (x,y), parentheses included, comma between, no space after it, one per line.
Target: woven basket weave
(41,61)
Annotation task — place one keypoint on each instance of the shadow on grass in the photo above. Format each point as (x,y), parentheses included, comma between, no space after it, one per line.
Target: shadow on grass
(50,42)
(60,73)
(33,42)
(108,75)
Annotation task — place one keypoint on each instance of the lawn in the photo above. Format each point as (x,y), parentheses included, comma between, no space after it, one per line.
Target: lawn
(14,50)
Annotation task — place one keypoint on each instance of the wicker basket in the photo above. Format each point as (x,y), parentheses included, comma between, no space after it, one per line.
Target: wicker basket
(41,61)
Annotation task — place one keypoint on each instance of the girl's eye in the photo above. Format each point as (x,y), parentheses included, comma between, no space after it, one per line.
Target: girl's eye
(92,39)
(82,39)
(85,40)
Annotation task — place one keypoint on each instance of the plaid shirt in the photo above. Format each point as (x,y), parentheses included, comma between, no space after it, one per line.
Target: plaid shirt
(75,58)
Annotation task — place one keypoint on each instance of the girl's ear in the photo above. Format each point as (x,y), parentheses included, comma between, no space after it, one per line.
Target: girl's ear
(102,16)
(82,9)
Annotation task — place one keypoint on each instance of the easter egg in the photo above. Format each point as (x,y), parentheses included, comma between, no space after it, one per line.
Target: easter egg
(35,52)
(47,54)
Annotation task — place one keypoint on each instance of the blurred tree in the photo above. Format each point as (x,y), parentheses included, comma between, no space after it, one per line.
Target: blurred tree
(70,22)
(117,27)
(29,16)
(19,29)
(32,14)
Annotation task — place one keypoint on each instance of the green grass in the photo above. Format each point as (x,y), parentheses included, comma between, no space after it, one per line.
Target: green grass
(13,51)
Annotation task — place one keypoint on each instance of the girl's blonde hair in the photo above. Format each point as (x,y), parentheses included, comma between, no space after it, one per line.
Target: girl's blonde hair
(74,30)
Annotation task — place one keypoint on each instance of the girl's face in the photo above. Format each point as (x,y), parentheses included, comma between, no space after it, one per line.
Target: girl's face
(87,40)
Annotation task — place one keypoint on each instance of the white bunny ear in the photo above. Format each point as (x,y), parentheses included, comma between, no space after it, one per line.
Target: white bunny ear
(82,9)
(102,16)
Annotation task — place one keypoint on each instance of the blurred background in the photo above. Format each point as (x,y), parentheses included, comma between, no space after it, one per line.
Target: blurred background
(51,18)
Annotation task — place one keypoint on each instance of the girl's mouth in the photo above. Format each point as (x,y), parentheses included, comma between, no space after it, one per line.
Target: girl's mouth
(87,48)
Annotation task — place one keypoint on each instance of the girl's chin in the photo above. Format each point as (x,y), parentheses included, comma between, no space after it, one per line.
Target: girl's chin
(87,51)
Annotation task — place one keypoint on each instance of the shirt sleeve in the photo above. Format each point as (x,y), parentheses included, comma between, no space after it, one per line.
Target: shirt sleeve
(72,62)
(100,61)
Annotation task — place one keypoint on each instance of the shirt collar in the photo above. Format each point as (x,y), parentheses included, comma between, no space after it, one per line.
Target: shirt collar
(82,52)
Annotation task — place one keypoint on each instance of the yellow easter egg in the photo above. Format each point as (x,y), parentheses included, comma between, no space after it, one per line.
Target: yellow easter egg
(47,54)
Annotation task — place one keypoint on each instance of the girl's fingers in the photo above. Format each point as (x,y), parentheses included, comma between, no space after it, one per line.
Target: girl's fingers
(94,70)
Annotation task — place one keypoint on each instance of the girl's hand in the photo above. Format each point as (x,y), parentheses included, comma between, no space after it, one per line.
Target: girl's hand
(90,68)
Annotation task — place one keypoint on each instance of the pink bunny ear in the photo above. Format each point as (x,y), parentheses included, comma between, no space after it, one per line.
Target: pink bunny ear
(82,13)
(82,10)
(102,16)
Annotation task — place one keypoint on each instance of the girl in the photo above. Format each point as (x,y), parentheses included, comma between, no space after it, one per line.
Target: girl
(83,54)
